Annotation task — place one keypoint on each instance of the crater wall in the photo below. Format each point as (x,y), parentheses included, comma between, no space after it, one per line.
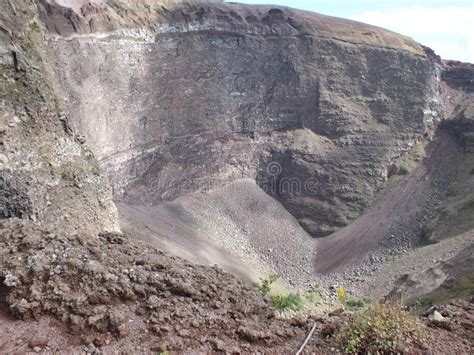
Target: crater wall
(186,97)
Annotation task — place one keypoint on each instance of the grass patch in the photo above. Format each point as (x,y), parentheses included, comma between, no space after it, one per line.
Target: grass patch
(290,302)
(34,27)
(354,305)
(265,283)
(31,36)
(349,304)
(88,155)
(57,105)
(313,298)
(381,329)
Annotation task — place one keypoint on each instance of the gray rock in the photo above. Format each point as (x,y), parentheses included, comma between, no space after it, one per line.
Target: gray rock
(10,280)
(436,316)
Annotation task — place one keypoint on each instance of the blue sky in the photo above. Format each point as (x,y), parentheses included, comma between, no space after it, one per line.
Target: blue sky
(446,26)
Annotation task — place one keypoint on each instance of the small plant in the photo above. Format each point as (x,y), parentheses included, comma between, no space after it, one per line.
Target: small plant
(29,44)
(354,305)
(266,283)
(341,294)
(290,302)
(381,329)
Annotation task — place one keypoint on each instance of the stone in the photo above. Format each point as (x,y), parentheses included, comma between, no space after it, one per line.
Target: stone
(100,340)
(10,280)
(329,329)
(310,108)
(336,312)
(436,316)
(80,139)
(123,330)
(77,323)
(3,158)
(39,341)
(153,302)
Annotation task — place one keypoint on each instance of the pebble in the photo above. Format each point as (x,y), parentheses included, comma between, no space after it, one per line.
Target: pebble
(436,316)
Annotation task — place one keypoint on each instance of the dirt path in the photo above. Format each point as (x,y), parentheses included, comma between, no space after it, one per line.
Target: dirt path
(397,216)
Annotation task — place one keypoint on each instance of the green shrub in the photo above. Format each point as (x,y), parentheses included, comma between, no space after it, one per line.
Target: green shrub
(266,283)
(354,304)
(381,329)
(290,302)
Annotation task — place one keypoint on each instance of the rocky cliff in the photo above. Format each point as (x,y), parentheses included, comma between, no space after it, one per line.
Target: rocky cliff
(178,97)
(60,253)
(46,176)
(194,115)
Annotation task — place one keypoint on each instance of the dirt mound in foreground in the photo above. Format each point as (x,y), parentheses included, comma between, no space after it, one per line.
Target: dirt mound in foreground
(120,295)
(96,285)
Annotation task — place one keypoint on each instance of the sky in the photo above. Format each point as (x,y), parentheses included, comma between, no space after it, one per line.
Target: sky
(447,26)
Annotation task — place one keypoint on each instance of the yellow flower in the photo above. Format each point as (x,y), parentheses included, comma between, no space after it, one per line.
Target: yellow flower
(341,293)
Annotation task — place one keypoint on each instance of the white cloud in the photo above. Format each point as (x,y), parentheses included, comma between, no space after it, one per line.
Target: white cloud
(449,31)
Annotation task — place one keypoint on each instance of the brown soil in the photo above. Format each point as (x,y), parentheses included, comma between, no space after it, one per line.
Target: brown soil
(109,287)
(121,295)
(77,290)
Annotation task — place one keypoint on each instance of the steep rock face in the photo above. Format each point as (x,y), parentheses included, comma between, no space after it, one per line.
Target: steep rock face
(46,176)
(450,276)
(179,98)
(59,254)
(455,216)
(56,255)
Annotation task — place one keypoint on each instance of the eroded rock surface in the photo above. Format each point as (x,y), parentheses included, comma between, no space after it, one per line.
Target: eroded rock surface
(193,96)
(79,280)
(174,98)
